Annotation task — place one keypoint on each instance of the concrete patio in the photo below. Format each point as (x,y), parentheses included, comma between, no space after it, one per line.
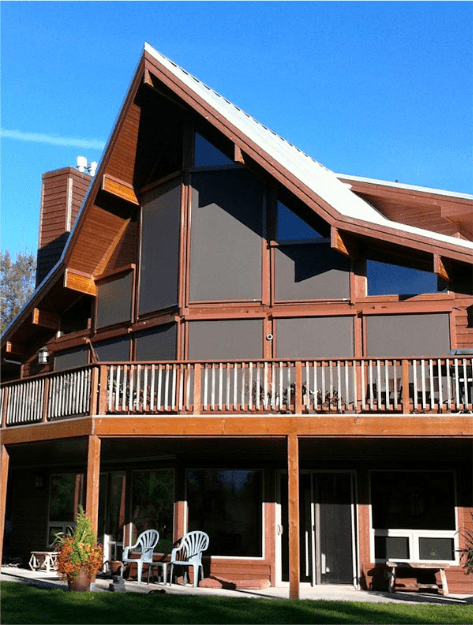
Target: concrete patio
(322,592)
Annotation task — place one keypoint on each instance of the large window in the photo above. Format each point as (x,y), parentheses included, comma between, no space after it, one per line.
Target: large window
(159,265)
(153,504)
(226,233)
(227,505)
(413,515)
(389,279)
(305,265)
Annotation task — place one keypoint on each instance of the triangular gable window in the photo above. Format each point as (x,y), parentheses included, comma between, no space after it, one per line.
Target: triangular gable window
(207,155)
(293,228)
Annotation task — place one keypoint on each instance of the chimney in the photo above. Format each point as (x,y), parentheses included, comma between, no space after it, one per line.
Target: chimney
(62,194)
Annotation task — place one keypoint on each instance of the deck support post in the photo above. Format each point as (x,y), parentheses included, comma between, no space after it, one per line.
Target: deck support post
(93,480)
(293,514)
(4,464)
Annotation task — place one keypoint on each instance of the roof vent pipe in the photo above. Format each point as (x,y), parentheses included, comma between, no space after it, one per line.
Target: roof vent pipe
(81,163)
(92,168)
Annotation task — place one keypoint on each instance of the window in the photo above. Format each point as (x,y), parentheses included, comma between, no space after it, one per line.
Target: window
(389,279)
(206,154)
(67,493)
(292,228)
(114,300)
(227,505)
(159,264)
(413,515)
(113,350)
(153,505)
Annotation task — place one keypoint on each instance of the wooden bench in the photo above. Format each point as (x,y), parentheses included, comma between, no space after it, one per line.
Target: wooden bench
(436,567)
(43,561)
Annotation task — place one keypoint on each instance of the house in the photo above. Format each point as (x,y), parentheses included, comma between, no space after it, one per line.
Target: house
(235,339)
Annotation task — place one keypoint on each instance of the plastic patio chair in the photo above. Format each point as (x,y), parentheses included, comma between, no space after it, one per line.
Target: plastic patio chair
(146,542)
(189,553)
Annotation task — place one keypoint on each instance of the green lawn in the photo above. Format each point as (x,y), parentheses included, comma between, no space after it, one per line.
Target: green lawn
(24,604)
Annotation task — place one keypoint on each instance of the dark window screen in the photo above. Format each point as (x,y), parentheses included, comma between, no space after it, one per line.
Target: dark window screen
(71,358)
(315,337)
(157,344)
(229,340)
(431,548)
(396,547)
(311,272)
(160,224)
(226,231)
(114,350)
(114,300)
(398,336)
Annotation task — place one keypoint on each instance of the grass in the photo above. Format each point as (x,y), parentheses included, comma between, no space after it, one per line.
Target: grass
(25,604)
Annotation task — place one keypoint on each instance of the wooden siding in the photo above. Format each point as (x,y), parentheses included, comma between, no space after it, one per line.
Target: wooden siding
(122,159)
(62,195)
(98,234)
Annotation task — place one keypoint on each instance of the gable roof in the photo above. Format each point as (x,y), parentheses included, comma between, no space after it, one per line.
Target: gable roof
(322,182)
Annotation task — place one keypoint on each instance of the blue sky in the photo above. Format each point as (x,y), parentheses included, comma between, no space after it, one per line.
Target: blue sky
(375,89)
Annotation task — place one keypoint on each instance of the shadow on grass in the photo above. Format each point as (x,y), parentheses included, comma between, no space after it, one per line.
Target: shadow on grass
(25,604)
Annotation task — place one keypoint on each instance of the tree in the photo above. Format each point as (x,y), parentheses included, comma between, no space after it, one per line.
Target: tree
(17,283)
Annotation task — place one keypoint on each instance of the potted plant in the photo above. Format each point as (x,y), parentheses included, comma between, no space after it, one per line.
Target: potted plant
(80,556)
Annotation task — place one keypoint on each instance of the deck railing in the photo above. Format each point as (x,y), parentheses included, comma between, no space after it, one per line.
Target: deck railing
(404,386)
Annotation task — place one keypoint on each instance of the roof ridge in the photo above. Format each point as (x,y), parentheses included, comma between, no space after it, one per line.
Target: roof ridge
(238,108)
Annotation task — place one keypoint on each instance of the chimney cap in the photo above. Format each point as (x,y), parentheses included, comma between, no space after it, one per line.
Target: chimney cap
(81,163)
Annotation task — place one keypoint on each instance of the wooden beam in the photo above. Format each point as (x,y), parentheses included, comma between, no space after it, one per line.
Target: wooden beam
(120,189)
(93,479)
(343,243)
(45,319)
(238,156)
(293,514)
(4,464)
(13,348)
(440,268)
(78,281)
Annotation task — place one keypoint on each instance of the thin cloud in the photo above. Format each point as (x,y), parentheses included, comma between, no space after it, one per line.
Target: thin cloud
(67,142)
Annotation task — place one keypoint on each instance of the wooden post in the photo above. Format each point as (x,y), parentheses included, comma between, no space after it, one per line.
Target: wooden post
(298,401)
(405,387)
(102,399)
(293,512)
(4,463)
(45,400)
(197,389)
(5,407)
(94,390)
(93,480)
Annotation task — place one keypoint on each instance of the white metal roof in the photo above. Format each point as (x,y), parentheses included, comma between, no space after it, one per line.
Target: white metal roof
(407,187)
(322,181)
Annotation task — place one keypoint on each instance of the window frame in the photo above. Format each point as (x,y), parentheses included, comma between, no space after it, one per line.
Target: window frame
(413,535)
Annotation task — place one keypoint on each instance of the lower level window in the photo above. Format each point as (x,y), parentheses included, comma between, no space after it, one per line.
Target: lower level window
(413,516)
(227,505)
(153,505)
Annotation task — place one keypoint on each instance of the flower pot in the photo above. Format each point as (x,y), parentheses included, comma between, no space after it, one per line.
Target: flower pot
(81,583)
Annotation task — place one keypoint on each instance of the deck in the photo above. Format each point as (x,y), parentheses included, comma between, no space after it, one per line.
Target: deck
(414,386)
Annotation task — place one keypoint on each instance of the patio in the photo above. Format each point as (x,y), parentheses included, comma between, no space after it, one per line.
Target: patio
(325,592)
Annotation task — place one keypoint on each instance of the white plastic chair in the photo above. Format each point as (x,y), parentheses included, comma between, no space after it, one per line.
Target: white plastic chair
(146,542)
(189,553)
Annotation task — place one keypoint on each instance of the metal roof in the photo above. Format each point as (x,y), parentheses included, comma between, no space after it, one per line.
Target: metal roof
(322,181)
